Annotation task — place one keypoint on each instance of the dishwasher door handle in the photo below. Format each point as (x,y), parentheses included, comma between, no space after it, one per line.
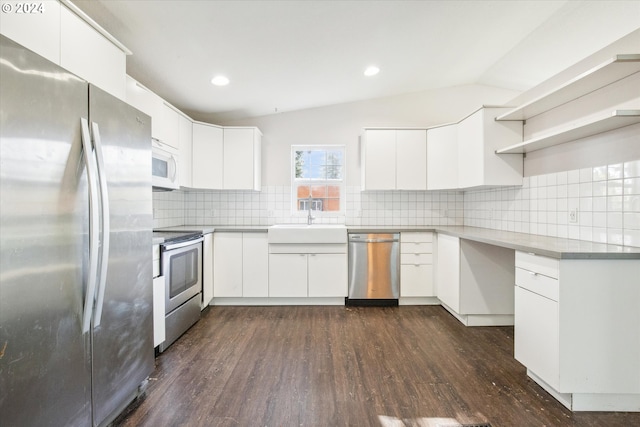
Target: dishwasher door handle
(374,241)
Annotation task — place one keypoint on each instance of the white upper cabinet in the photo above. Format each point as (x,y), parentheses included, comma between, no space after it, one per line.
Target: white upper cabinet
(207,156)
(242,158)
(378,159)
(87,53)
(226,158)
(168,125)
(442,157)
(39,32)
(185,142)
(394,159)
(165,120)
(64,37)
(479,136)
(411,159)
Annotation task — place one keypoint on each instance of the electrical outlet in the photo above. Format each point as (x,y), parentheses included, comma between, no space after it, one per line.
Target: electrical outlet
(573,216)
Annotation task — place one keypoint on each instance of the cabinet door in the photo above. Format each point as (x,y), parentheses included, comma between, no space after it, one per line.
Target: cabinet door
(448,271)
(255,265)
(470,151)
(90,55)
(159,331)
(169,126)
(39,32)
(442,158)
(536,341)
(287,275)
(379,160)
(186,151)
(207,156)
(227,269)
(416,280)
(328,275)
(207,270)
(238,154)
(411,159)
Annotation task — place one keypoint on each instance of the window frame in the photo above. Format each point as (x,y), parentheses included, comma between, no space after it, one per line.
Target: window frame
(338,182)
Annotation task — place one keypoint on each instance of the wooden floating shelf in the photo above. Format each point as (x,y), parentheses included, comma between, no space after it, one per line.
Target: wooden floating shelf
(614,69)
(614,120)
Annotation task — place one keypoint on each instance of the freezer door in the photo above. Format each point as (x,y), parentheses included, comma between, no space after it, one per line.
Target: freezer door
(123,351)
(44,357)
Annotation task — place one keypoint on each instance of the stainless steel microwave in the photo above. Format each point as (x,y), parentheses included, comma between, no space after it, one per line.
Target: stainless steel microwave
(164,167)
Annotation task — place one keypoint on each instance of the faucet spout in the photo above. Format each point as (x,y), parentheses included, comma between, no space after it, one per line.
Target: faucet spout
(310,217)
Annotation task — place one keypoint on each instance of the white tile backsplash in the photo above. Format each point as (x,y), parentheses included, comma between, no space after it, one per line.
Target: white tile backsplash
(607,199)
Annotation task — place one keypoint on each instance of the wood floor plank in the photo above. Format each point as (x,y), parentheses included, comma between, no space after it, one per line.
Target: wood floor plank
(346,366)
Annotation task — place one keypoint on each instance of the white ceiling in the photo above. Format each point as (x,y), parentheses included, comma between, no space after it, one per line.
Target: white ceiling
(291,55)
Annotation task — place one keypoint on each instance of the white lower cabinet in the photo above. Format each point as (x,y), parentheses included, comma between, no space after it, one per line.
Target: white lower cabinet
(317,271)
(577,329)
(227,268)
(240,264)
(255,265)
(475,281)
(207,270)
(287,275)
(536,325)
(158,299)
(416,264)
(327,275)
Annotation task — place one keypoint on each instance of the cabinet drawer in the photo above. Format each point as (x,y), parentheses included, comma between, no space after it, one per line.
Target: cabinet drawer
(416,237)
(416,248)
(416,259)
(538,264)
(537,283)
(416,281)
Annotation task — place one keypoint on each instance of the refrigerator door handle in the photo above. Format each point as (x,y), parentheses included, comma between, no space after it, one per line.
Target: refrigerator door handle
(94,219)
(106,226)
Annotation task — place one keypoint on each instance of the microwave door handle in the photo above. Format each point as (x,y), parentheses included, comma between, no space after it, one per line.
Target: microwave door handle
(174,168)
(106,226)
(94,219)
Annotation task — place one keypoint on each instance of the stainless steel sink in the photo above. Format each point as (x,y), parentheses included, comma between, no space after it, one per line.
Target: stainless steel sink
(307,234)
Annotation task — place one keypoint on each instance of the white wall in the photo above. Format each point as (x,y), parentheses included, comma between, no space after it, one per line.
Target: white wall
(341,124)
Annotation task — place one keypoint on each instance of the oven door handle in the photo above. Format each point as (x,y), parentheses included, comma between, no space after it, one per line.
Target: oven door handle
(172,246)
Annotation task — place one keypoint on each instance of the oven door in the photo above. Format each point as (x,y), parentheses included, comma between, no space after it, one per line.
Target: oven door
(182,270)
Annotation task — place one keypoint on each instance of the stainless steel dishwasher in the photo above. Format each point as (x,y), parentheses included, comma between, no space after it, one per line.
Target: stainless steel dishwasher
(374,269)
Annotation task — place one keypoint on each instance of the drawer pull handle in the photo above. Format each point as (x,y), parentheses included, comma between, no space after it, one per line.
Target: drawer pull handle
(533,273)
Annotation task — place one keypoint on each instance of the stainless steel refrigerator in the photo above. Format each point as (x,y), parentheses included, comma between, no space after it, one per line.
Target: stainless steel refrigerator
(76,333)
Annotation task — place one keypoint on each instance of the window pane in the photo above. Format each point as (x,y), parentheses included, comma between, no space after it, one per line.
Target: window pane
(334,158)
(333,172)
(318,178)
(318,191)
(317,161)
(332,205)
(301,164)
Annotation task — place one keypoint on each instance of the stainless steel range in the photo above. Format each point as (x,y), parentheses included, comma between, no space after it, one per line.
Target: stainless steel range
(181,266)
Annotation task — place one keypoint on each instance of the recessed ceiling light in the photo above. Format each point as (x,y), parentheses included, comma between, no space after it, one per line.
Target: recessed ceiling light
(220,81)
(372,70)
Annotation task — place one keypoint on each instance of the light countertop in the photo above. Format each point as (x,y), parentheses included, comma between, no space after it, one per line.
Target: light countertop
(554,247)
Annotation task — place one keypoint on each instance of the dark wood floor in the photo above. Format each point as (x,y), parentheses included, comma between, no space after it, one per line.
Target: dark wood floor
(339,366)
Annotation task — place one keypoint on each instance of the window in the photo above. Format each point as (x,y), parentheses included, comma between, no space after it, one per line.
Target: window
(318,178)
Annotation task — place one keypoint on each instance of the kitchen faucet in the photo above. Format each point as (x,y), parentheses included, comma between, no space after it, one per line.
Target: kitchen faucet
(310,218)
